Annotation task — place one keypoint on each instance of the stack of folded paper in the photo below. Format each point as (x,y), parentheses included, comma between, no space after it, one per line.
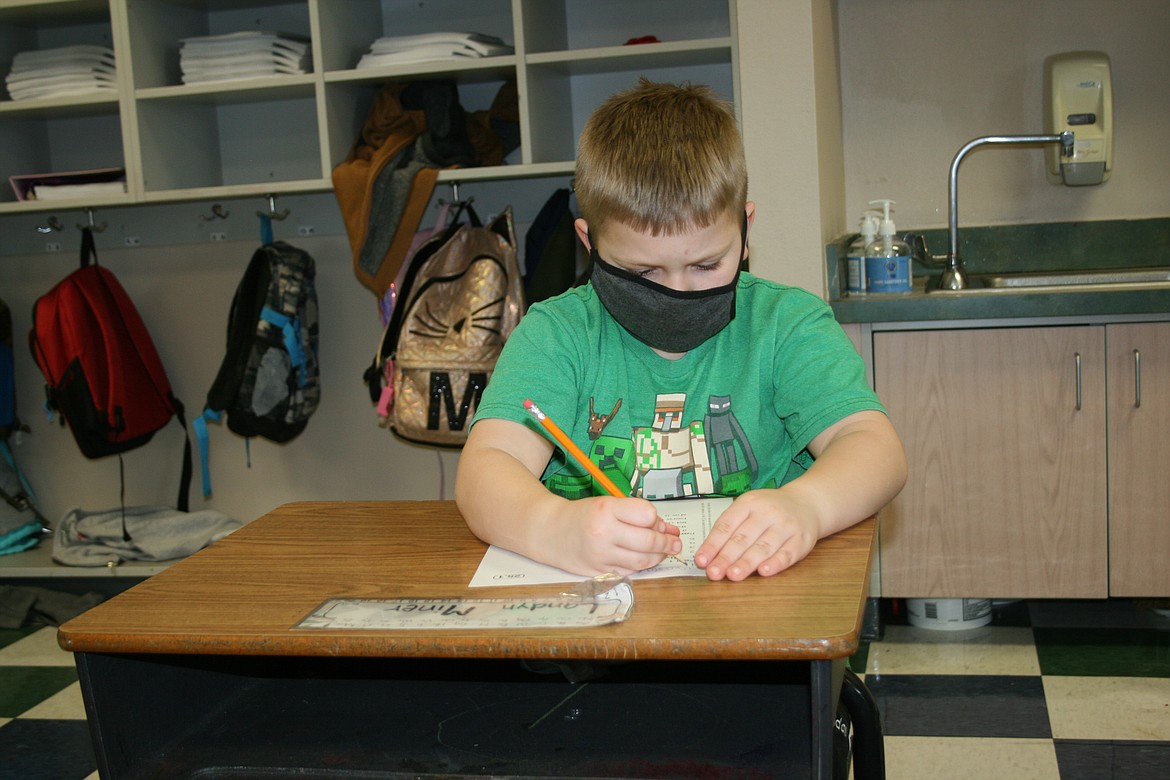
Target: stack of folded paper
(395,50)
(242,55)
(67,70)
(69,184)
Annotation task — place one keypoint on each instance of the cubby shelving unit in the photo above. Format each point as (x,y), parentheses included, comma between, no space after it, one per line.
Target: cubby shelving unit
(285,134)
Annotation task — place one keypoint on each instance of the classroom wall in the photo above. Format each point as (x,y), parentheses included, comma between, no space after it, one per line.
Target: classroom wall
(920,78)
(791,118)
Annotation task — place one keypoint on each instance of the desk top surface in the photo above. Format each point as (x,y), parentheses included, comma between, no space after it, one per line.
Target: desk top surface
(244,594)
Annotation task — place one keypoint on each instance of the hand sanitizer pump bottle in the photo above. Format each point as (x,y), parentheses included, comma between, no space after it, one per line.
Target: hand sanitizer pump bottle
(887,258)
(855,255)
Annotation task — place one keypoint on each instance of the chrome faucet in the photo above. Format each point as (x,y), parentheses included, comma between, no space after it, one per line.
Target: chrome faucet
(954,277)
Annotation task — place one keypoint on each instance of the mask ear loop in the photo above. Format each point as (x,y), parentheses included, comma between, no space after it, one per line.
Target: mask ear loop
(743,253)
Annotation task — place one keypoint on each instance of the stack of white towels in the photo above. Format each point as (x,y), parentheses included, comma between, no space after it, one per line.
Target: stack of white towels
(242,55)
(395,50)
(67,70)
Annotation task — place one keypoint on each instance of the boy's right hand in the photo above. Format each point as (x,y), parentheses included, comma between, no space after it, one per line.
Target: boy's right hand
(499,492)
(603,534)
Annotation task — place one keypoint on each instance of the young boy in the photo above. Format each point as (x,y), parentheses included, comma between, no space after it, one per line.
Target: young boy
(677,372)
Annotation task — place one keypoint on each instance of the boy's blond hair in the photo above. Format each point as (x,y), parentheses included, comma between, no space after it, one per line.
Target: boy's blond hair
(661,158)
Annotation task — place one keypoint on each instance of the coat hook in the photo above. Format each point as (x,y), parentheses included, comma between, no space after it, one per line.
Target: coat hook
(272,213)
(455,197)
(91,225)
(53,224)
(217,212)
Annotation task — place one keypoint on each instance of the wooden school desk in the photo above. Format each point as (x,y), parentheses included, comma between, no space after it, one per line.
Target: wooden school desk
(200,669)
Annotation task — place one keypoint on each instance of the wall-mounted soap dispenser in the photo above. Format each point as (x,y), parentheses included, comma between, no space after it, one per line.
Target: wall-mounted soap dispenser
(1078,93)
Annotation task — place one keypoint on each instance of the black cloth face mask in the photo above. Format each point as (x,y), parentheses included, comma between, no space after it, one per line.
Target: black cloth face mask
(658,316)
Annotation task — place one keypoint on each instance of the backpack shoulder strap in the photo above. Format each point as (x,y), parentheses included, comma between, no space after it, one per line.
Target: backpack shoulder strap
(88,249)
(248,302)
(182,502)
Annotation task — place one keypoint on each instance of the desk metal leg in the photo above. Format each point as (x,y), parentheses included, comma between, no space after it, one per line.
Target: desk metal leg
(825,682)
(869,752)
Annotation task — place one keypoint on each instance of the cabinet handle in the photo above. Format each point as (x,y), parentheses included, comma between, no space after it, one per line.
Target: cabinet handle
(1078,359)
(1137,379)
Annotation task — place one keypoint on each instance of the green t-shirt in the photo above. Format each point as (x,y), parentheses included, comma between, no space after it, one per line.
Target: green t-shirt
(733,414)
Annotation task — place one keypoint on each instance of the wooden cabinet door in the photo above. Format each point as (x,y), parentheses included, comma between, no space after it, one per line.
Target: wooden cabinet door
(1004,430)
(1139,459)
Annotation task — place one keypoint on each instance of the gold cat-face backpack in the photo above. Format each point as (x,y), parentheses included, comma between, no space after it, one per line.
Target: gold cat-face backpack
(461,296)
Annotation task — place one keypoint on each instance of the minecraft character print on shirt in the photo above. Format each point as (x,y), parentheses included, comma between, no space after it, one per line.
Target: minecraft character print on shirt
(735,463)
(612,454)
(668,458)
(671,456)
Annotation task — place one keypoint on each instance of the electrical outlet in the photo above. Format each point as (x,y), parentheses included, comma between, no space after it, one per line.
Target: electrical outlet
(305,230)
(53,246)
(219,236)
(133,240)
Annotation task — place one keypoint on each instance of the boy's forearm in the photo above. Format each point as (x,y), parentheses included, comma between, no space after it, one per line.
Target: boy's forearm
(860,470)
(501,501)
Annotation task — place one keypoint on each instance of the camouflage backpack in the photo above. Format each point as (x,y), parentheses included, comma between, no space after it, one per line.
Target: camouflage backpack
(269,381)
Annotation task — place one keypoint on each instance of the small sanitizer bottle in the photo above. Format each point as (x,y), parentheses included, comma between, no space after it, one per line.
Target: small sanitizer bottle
(887,258)
(855,254)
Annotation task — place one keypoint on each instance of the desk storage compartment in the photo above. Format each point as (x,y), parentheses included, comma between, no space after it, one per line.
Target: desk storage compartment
(253,717)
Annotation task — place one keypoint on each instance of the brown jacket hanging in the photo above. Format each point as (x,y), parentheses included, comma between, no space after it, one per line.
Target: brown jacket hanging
(383,188)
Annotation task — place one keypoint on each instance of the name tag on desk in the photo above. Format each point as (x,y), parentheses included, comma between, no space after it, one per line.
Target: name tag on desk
(613,606)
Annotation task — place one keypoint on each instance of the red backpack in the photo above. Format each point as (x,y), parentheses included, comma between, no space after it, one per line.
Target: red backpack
(102,371)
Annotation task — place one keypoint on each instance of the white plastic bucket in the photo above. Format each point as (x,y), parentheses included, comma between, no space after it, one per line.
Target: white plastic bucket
(948,614)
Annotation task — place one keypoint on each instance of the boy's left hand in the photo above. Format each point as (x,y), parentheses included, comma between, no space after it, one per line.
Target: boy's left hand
(763,531)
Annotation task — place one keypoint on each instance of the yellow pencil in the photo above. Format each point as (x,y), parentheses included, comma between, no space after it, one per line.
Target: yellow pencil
(573,449)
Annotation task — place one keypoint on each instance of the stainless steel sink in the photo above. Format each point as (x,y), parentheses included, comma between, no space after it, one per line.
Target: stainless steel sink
(1065,280)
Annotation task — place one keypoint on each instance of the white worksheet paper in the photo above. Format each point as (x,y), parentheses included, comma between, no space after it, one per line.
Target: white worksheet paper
(693,516)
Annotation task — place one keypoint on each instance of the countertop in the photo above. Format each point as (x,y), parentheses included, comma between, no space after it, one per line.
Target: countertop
(1071,302)
(1023,248)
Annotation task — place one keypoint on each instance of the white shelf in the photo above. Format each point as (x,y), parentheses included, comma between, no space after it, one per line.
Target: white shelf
(259,189)
(66,204)
(611,59)
(233,90)
(462,71)
(105,101)
(38,563)
(498,172)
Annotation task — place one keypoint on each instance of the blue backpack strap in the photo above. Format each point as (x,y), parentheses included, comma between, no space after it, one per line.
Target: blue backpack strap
(292,338)
(266,236)
(200,426)
(6,453)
